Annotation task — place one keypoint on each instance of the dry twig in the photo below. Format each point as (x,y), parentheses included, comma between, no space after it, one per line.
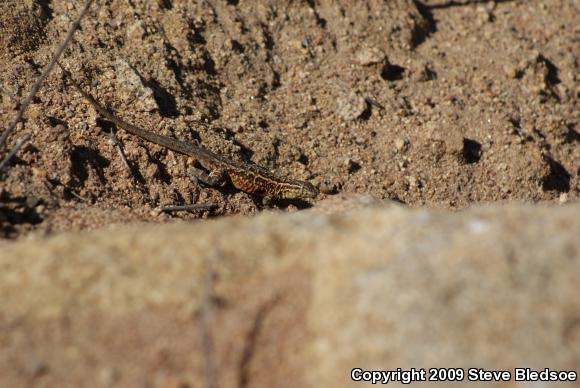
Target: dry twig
(14,150)
(194,207)
(117,145)
(43,75)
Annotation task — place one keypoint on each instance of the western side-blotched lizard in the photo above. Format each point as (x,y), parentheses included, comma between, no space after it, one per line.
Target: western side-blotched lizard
(246,177)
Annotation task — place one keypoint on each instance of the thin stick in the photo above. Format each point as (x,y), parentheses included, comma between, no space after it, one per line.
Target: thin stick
(16,148)
(44,74)
(117,145)
(194,207)
(374,102)
(78,196)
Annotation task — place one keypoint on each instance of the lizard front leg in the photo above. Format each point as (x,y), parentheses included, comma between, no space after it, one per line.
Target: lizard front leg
(267,200)
(216,177)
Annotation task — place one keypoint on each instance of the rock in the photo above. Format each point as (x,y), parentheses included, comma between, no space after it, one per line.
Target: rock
(370,56)
(401,144)
(350,106)
(422,72)
(511,70)
(132,89)
(538,74)
(310,295)
(328,187)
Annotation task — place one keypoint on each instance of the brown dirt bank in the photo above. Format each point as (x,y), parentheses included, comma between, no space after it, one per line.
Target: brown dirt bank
(433,103)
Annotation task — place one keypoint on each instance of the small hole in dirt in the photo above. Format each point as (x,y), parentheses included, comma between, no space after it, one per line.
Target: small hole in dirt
(82,159)
(352,166)
(516,122)
(572,135)
(237,46)
(558,179)
(54,121)
(552,76)
(17,211)
(366,114)
(471,151)
(392,72)
(166,4)
(46,9)
(164,99)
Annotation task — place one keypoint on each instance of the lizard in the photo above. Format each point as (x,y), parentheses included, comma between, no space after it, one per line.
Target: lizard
(247,177)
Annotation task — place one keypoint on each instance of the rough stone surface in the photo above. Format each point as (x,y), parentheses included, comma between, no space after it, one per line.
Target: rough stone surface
(294,300)
(351,106)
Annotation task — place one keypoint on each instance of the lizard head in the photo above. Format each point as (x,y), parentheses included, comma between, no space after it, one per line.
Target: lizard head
(299,189)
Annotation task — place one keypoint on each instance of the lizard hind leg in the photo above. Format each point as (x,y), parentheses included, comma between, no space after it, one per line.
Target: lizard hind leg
(215,178)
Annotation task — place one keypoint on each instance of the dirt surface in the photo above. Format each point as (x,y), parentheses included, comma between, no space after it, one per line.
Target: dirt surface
(432,103)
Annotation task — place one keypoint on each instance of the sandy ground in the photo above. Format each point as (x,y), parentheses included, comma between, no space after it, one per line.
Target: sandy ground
(431,103)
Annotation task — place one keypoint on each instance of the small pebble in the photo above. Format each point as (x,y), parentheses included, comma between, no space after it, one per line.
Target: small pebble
(359,140)
(351,165)
(401,144)
(351,106)
(370,56)
(328,187)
